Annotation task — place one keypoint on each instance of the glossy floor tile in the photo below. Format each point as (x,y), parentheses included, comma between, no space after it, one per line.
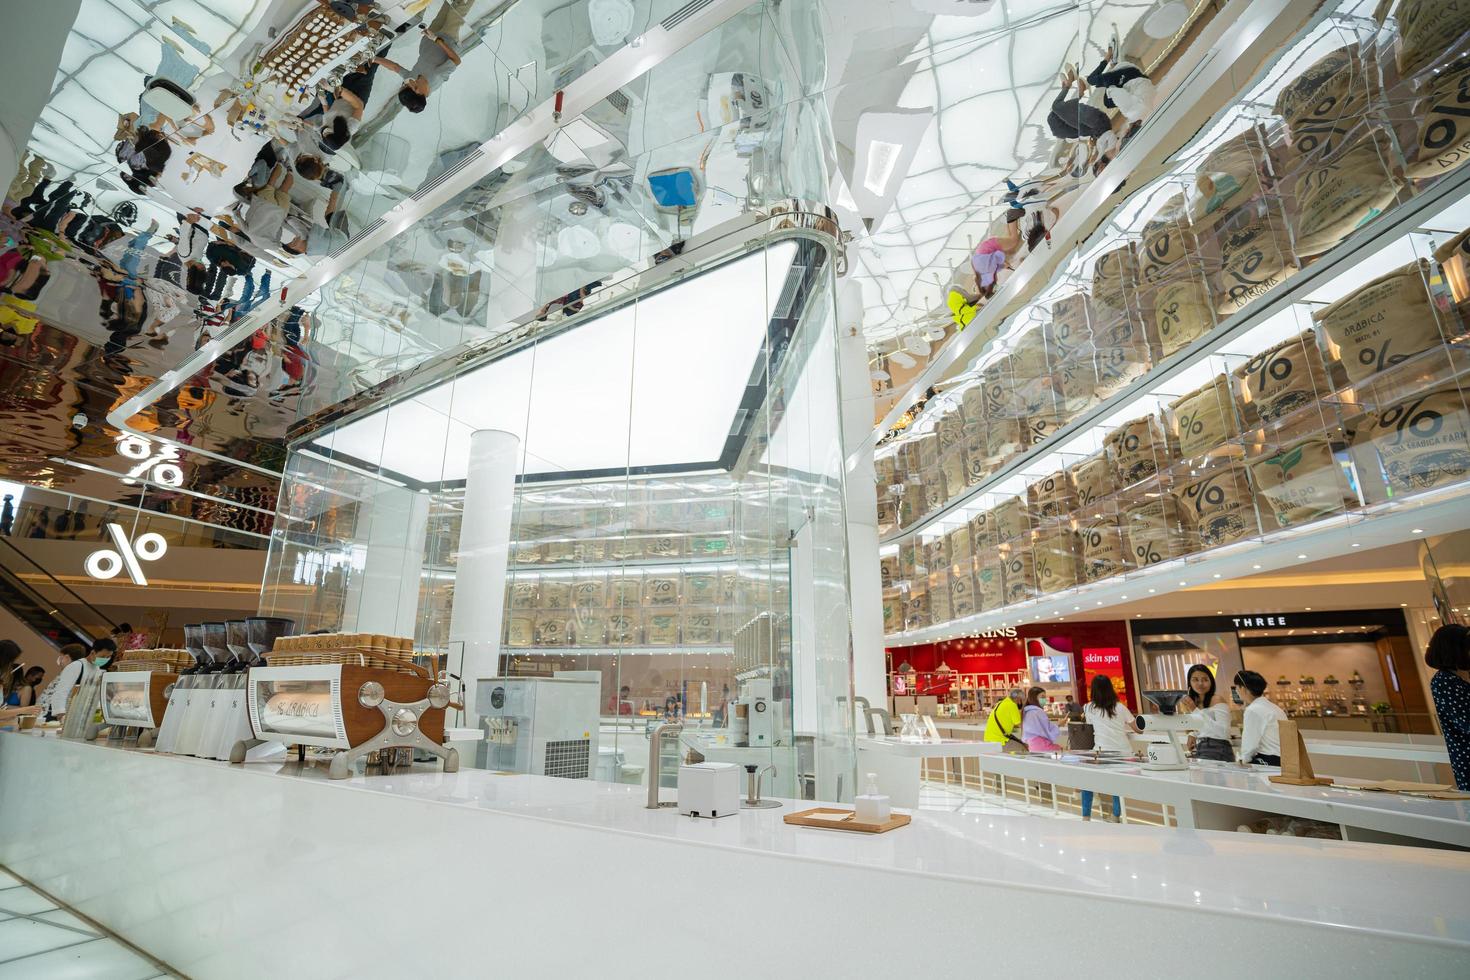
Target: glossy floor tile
(37,939)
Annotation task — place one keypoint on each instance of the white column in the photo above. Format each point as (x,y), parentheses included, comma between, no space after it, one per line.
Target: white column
(384,597)
(860,481)
(484,551)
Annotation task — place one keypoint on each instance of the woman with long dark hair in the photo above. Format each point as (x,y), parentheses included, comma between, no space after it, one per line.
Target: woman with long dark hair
(9,654)
(1111,722)
(1210,712)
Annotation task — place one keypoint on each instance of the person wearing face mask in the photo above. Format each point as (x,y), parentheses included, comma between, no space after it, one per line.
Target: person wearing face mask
(1004,722)
(1260,736)
(71,662)
(1210,712)
(104,652)
(1038,731)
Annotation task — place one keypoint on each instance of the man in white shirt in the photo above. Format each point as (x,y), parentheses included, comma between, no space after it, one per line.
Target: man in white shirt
(1260,738)
(71,662)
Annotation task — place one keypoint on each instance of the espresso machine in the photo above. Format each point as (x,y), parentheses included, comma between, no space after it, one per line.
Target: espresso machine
(181,695)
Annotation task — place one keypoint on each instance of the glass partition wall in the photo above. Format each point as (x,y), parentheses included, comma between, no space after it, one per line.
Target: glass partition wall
(645,498)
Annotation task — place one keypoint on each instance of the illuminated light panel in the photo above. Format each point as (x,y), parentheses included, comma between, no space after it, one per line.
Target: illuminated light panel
(651,384)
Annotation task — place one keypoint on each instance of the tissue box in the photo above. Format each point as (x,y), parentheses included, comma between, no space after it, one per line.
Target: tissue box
(709,789)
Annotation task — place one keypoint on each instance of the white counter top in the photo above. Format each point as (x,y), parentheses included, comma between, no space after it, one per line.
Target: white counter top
(292,818)
(945,748)
(1363,749)
(1227,784)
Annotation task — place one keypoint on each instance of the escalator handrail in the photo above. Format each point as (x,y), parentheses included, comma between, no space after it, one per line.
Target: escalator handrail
(102,617)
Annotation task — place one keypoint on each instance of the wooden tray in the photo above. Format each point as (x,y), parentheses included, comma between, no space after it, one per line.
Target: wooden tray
(808,818)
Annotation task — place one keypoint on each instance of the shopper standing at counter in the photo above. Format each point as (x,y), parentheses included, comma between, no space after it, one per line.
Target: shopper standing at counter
(1038,731)
(1449,655)
(72,659)
(1210,712)
(1260,737)
(1111,722)
(1004,719)
(9,654)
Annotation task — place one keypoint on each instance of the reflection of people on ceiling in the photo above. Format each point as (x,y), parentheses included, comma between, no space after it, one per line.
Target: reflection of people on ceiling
(437,57)
(1072,118)
(1124,87)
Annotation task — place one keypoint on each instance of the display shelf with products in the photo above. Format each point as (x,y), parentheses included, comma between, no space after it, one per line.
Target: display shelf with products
(1336,397)
(1051,349)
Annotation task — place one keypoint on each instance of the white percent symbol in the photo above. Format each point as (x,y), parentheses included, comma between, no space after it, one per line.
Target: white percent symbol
(108,562)
(162,467)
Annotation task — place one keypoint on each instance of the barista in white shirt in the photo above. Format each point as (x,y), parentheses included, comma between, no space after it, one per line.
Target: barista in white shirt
(1260,737)
(1210,712)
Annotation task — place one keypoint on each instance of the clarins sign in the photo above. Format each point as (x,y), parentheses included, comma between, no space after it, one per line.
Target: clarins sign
(1008,631)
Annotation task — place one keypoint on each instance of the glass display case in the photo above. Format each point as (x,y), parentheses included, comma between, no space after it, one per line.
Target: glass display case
(1190,379)
(659,508)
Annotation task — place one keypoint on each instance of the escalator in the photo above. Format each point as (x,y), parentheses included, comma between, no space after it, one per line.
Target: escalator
(36,597)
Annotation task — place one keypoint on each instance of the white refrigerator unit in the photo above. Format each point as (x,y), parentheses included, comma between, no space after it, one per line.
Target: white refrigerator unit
(545,726)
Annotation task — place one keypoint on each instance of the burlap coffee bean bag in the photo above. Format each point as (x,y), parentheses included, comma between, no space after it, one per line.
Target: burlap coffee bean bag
(1454,257)
(962,599)
(959,545)
(1114,279)
(1325,102)
(1336,194)
(1179,313)
(1415,444)
(1138,449)
(1300,482)
(955,473)
(1051,496)
(1204,419)
(990,582)
(1167,242)
(1070,330)
(1383,322)
(982,532)
(700,628)
(1428,31)
(1229,177)
(520,630)
(939,607)
(1054,553)
(893,609)
(1076,385)
(1010,519)
(1020,572)
(1441,138)
(555,593)
(1218,507)
(916,610)
(1254,257)
(1101,542)
(1092,479)
(1151,532)
(1284,379)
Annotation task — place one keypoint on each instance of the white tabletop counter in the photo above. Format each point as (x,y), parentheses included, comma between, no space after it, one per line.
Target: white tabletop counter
(247,871)
(1221,796)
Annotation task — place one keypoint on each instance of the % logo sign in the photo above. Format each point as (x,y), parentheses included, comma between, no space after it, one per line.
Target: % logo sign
(108,562)
(161,467)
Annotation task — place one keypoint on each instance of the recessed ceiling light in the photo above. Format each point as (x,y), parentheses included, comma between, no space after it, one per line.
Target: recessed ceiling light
(1417,530)
(1217,575)
(1150,591)
(1255,566)
(1357,545)
(1307,608)
(1301,557)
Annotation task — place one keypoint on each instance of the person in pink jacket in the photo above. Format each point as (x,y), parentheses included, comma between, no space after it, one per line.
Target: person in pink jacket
(1038,731)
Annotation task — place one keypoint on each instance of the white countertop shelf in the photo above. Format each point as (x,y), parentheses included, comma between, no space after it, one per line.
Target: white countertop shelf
(497,851)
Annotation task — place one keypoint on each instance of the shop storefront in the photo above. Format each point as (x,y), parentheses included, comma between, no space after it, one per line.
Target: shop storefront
(964,677)
(1338,670)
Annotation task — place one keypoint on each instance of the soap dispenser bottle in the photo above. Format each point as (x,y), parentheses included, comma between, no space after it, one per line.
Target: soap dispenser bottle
(872,806)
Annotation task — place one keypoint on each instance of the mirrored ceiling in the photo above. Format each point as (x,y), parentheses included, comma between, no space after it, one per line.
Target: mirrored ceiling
(195,161)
